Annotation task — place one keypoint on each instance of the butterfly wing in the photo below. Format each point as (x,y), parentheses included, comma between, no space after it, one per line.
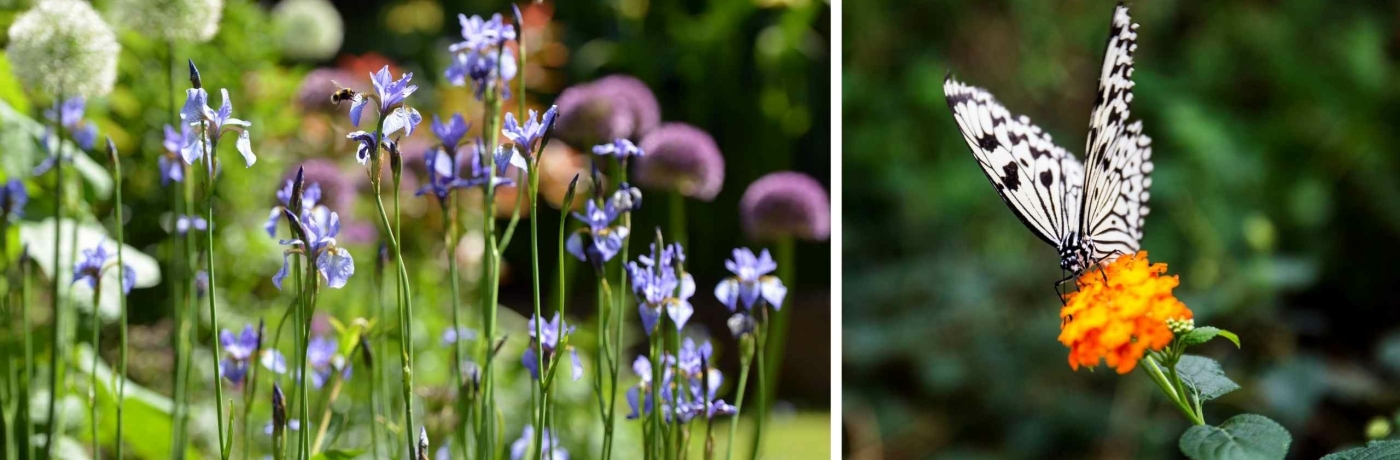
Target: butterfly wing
(1118,154)
(1027,169)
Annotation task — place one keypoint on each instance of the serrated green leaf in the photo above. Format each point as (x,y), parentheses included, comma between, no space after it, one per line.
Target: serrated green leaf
(1374,450)
(1205,376)
(1203,334)
(1242,437)
(338,454)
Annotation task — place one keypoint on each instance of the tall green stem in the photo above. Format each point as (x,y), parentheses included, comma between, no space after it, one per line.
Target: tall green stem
(121,287)
(56,347)
(210,170)
(761,417)
(739,402)
(449,234)
(677,209)
(28,441)
(92,372)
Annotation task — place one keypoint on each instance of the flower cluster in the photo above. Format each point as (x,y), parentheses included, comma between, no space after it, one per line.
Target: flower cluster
(482,59)
(184,20)
(551,332)
(604,235)
(660,284)
(314,230)
(681,158)
(95,262)
(786,204)
(684,398)
(610,108)
(63,48)
(241,349)
(1120,313)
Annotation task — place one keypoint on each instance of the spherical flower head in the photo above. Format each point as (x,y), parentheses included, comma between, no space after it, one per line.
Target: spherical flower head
(614,107)
(681,158)
(1118,320)
(63,48)
(194,21)
(317,86)
(786,204)
(312,29)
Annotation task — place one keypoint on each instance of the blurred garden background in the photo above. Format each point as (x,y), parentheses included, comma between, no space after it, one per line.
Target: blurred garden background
(753,74)
(1275,198)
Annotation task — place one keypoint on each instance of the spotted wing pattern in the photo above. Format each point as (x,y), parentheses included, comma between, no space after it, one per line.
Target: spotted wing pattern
(1037,179)
(1118,154)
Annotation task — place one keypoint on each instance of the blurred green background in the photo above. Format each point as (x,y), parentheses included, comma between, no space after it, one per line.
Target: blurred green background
(753,73)
(1275,198)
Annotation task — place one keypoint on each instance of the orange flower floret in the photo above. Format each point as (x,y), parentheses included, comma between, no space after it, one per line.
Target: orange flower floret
(1119,320)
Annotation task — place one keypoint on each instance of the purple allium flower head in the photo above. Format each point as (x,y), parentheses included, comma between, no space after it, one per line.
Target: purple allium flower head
(391,95)
(94,263)
(751,281)
(683,159)
(620,148)
(655,281)
(548,443)
(550,333)
(786,204)
(183,224)
(452,132)
(196,110)
(524,136)
(613,107)
(604,239)
(13,197)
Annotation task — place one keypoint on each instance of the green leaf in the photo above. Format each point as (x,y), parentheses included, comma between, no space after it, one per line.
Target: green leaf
(338,454)
(1242,437)
(147,424)
(1203,334)
(1205,376)
(1374,450)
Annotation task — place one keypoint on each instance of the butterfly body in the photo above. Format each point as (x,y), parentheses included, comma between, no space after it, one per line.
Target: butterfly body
(1088,211)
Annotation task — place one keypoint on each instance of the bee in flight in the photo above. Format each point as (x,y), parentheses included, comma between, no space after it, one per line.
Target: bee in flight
(342,94)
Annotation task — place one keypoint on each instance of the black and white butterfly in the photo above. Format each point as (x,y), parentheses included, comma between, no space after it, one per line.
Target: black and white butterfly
(1090,215)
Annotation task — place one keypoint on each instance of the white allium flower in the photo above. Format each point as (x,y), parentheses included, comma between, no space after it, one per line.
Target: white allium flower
(312,30)
(63,48)
(194,21)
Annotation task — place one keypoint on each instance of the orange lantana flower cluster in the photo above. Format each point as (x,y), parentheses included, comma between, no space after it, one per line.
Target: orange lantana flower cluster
(1119,319)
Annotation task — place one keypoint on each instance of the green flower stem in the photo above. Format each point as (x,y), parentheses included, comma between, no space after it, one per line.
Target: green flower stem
(619,309)
(449,234)
(209,178)
(177,312)
(404,334)
(336,381)
(745,359)
(28,358)
(191,319)
(777,330)
(56,345)
(488,431)
(298,341)
(92,372)
(759,419)
(1174,393)
(533,177)
(121,280)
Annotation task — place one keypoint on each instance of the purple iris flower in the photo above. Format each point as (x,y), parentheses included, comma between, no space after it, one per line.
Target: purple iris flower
(323,354)
(334,263)
(69,115)
(442,175)
(239,351)
(549,339)
(183,224)
(548,443)
(94,263)
(535,127)
(481,174)
(171,169)
(391,94)
(196,111)
(642,367)
(310,197)
(604,238)
(481,58)
(367,142)
(655,282)
(751,281)
(13,197)
(452,132)
(620,148)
